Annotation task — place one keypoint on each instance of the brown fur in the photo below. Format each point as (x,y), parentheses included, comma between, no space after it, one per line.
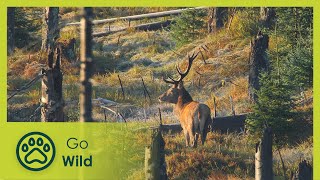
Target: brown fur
(194,117)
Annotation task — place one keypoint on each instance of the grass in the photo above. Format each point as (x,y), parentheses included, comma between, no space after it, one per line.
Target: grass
(149,55)
(224,156)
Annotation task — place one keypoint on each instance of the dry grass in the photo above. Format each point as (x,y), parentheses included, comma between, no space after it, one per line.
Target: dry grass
(224,156)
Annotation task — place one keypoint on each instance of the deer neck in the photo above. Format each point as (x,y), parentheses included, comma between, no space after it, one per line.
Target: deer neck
(183,99)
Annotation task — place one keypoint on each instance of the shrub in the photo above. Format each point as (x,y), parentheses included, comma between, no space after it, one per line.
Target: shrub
(245,23)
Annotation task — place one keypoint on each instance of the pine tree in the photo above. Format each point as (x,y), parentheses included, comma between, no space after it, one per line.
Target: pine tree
(188,27)
(10,30)
(274,107)
(294,23)
(25,27)
(299,66)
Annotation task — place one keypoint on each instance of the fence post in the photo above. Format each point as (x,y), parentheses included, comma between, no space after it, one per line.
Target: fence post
(160,118)
(232,106)
(105,115)
(263,156)
(155,166)
(122,90)
(51,89)
(258,62)
(215,107)
(86,70)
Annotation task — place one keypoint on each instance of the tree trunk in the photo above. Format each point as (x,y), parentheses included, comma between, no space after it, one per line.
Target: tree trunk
(267,16)
(221,16)
(258,63)
(263,157)
(217,18)
(69,50)
(50,30)
(52,99)
(86,66)
(304,172)
(210,20)
(155,166)
(10,30)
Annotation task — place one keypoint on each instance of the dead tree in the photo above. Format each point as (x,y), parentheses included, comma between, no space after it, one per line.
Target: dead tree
(51,99)
(217,18)
(304,171)
(86,70)
(263,156)
(50,30)
(221,16)
(10,30)
(258,63)
(267,16)
(69,50)
(210,19)
(155,166)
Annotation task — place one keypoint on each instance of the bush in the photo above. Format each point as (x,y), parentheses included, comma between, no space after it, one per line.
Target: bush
(245,23)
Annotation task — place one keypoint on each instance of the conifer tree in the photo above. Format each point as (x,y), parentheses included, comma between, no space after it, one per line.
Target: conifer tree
(188,27)
(273,107)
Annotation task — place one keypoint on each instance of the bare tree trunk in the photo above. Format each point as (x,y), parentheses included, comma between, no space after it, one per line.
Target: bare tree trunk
(258,63)
(267,16)
(51,98)
(221,16)
(10,30)
(86,66)
(263,156)
(155,166)
(217,18)
(304,172)
(210,19)
(50,30)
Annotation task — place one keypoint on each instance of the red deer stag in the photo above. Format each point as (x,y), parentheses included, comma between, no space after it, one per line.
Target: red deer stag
(194,117)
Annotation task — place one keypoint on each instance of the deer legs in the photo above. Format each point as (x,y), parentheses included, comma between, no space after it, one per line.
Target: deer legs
(191,138)
(187,137)
(196,136)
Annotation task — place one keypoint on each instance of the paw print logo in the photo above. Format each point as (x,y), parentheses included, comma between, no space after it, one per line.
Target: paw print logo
(35,151)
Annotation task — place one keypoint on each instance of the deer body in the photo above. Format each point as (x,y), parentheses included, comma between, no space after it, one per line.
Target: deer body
(194,117)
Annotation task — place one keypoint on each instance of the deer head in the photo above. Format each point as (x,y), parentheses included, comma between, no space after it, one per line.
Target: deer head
(177,89)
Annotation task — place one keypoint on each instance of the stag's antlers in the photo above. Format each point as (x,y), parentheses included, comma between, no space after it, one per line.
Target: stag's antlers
(182,74)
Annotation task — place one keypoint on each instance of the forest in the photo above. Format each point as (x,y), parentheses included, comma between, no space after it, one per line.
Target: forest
(251,66)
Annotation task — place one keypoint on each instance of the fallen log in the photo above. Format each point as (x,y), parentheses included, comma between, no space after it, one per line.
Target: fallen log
(229,123)
(220,124)
(142,27)
(140,16)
